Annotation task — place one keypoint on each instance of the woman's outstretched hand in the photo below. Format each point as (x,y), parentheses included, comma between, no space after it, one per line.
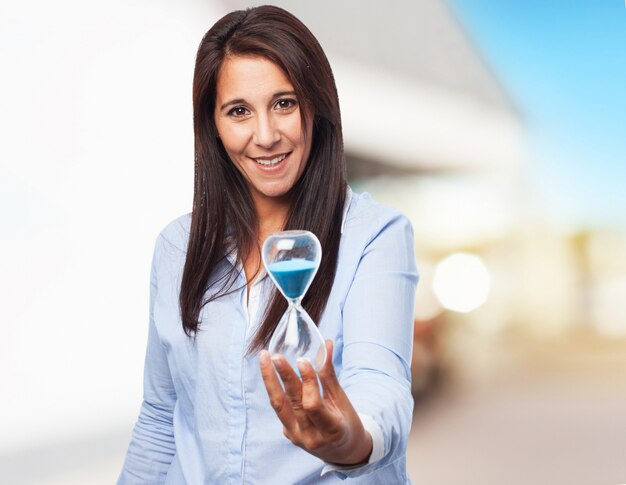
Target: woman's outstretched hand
(326,426)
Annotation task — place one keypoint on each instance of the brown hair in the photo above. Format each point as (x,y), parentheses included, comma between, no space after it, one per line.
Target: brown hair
(221,197)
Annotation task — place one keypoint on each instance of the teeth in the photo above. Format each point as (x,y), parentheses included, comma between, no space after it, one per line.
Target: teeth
(271,162)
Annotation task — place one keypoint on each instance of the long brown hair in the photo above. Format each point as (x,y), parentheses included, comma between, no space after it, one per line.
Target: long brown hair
(223,211)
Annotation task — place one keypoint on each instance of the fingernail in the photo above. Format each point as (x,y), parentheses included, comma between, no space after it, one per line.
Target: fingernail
(301,363)
(277,361)
(264,357)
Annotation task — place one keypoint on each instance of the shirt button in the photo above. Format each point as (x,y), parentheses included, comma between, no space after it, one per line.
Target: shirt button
(253,293)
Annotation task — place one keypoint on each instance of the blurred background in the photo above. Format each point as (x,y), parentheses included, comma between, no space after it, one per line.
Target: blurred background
(497,127)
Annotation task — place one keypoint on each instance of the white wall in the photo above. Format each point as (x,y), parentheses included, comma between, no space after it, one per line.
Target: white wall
(96,157)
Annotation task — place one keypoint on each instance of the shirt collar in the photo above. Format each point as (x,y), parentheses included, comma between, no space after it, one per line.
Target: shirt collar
(346,206)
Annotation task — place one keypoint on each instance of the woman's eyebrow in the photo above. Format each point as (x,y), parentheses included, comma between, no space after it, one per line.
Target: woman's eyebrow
(283,93)
(233,101)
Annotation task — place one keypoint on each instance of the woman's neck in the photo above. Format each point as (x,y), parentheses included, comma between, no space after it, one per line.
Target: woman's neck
(272,215)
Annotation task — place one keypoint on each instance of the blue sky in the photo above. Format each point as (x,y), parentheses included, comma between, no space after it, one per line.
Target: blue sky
(564,65)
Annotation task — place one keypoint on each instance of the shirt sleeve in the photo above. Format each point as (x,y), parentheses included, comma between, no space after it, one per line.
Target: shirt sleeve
(152,447)
(378,338)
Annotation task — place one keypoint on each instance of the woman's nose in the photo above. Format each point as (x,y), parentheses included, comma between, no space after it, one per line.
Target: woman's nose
(266,133)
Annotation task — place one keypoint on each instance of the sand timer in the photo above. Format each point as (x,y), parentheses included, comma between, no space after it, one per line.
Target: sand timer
(292,259)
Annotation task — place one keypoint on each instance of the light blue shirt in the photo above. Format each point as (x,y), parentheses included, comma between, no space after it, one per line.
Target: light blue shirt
(206,416)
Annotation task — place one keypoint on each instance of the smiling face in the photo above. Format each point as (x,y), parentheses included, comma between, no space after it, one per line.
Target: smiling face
(258,119)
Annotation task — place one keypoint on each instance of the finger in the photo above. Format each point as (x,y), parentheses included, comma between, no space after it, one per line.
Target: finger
(278,400)
(311,397)
(328,378)
(291,381)
(293,390)
(322,415)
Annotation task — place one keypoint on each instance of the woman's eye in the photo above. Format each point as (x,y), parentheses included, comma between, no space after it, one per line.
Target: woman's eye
(286,103)
(238,112)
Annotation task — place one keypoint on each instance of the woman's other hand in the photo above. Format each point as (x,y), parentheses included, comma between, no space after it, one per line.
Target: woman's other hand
(327,425)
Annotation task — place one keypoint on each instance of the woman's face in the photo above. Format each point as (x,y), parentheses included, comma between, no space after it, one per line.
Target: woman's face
(257,115)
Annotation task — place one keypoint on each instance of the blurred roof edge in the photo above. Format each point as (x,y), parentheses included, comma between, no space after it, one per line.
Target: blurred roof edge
(414,89)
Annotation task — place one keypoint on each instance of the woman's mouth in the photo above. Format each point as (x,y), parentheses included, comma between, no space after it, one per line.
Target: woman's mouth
(271,162)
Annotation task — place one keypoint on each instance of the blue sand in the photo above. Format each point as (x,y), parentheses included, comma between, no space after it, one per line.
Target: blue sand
(293,275)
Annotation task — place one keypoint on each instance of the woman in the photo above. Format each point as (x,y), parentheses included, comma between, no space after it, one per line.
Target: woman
(269,157)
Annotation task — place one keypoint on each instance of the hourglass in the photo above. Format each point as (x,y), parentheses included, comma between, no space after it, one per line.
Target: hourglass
(292,258)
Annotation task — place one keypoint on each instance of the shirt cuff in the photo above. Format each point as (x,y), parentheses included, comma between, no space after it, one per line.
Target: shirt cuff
(378,446)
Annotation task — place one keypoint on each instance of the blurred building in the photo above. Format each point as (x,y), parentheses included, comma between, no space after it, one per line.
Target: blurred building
(430,129)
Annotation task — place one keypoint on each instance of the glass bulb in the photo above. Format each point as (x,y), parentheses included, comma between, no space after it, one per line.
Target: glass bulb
(292,258)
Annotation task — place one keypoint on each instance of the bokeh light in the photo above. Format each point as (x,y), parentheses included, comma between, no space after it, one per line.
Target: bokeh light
(461,282)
